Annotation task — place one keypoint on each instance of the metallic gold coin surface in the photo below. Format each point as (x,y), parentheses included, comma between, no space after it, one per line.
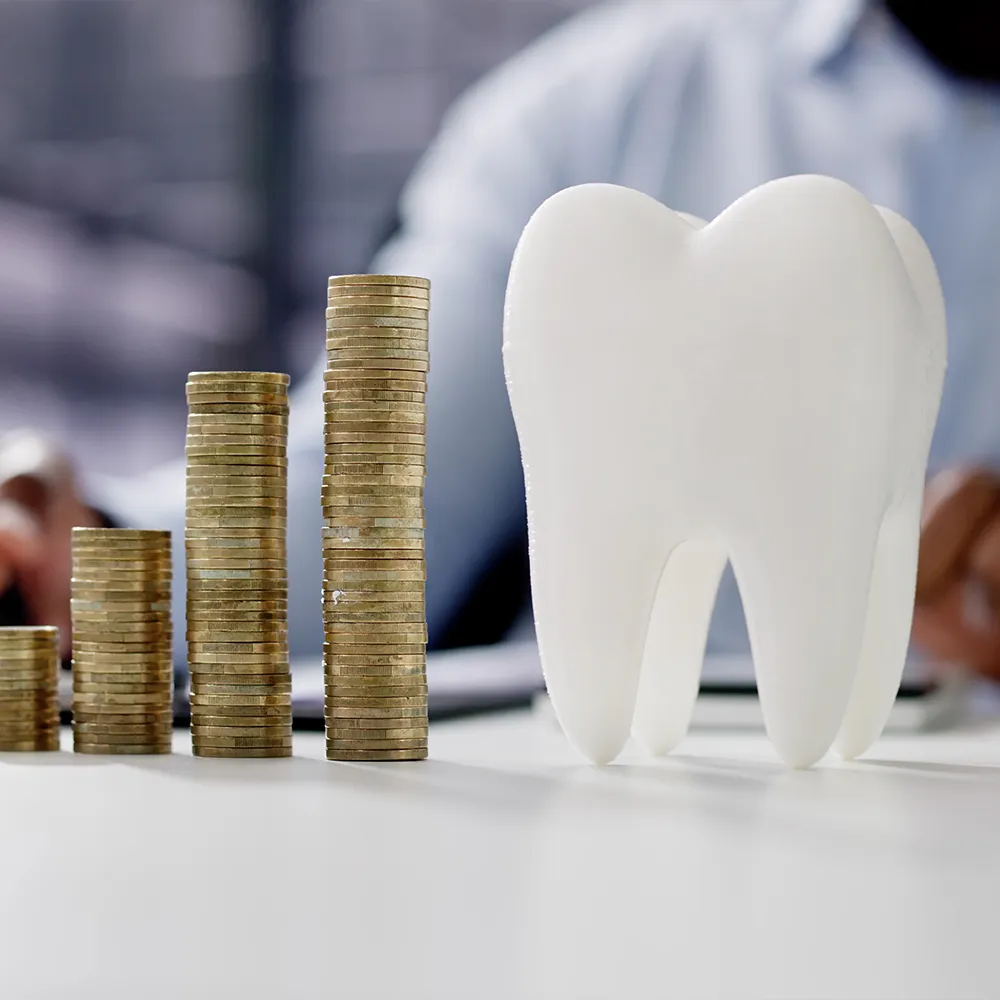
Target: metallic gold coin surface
(377,311)
(221,700)
(200,439)
(247,742)
(113,535)
(415,281)
(207,751)
(108,698)
(401,735)
(197,399)
(280,732)
(241,712)
(411,379)
(111,749)
(249,423)
(101,733)
(375,756)
(244,376)
(29,634)
(228,454)
(42,744)
(88,714)
(401,744)
(377,712)
(256,409)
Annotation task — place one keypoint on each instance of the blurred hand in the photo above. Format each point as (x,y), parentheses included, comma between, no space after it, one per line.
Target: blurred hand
(957,616)
(39,506)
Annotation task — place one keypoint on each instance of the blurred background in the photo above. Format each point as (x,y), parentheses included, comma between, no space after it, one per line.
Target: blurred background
(179,177)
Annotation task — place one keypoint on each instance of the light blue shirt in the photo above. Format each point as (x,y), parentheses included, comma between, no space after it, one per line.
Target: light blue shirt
(693,102)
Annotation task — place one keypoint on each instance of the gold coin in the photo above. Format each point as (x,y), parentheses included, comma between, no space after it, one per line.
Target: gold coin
(380,397)
(235,522)
(272,685)
(245,742)
(211,377)
(121,535)
(196,398)
(220,605)
(257,390)
(341,661)
(240,724)
(107,548)
(42,744)
(206,751)
(196,574)
(370,667)
(144,698)
(142,653)
(392,324)
(119,749)
(383,588)
(415,281)
(339,346)
(395,744)
(255,409)
(336,575)
(242,714)
(208,700)
(367,410)
(265,467)
(230,454)
(227,418)
(273,634)
(125,589)
(220,440)
(348,304)
(238,669)
(282,731)
(379,310)
(267,619)
(122,685)
(338,734)
(375,756)
(135,715)
(95,732)
(89,608)
(235,485)
(416,297)
(236,647)
(216,661)
(360,713)
(385,490)
(337,453)
(271,542)
(230,506)
(26,657)
(368,695)
(413,379)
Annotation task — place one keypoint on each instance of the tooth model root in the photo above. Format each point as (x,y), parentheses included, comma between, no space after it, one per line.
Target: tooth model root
(591,613)
(887,629)
(675,643)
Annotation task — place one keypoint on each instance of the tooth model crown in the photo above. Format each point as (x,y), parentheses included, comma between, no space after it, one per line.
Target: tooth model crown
(761,389)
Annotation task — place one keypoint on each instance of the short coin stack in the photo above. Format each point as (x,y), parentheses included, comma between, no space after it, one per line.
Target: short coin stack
(122,641)
(237,574)
(373,528)
(29,680)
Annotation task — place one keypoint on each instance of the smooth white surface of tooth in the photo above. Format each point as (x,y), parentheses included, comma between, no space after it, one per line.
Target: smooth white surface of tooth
(762,389)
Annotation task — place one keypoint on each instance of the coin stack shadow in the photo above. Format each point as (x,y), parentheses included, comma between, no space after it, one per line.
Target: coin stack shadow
(237,573)
(29,688)
(122,641)
(375,622)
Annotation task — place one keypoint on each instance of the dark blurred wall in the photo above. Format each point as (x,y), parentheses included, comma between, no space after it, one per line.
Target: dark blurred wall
(148,224)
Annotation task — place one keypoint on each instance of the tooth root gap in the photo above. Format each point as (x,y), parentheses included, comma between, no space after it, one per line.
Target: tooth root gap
(675,643)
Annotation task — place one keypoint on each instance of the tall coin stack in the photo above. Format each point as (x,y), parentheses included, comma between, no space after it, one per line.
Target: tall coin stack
(237,574)
(122,641)
(373,525)
(29,680)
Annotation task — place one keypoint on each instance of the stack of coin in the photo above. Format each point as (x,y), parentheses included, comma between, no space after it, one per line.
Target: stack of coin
(237,574)
(122,641)
(373,529)
(29,681)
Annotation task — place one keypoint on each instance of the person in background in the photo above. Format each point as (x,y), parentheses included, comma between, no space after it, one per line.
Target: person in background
(694,103)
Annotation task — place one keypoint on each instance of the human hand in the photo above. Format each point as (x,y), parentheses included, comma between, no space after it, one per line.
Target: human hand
(39,507)
(957,614)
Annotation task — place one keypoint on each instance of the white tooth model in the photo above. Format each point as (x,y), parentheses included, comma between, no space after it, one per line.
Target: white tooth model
(761,389)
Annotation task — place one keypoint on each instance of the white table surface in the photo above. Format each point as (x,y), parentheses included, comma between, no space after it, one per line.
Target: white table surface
(504,867)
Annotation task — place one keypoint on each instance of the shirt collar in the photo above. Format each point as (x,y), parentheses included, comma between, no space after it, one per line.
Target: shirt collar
(819,30)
